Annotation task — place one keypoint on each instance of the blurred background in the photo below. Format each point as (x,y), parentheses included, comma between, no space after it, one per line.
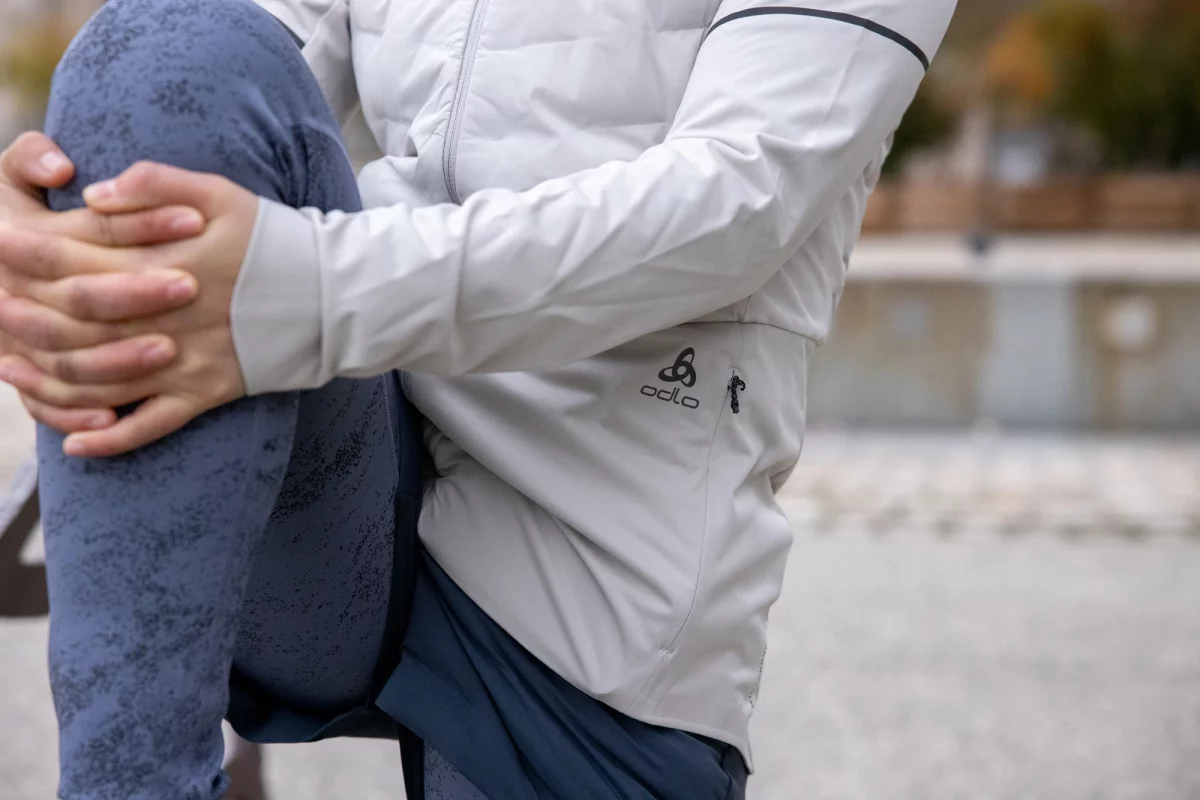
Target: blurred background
(994,591)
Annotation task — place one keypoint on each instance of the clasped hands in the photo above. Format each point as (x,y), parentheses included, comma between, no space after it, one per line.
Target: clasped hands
(124,303)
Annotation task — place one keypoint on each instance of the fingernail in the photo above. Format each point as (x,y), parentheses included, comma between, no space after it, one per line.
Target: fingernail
(187,222)
(156,354)
(53,162)
(5,373)
(184,288)
(97,421)
(74,447)
(99,192)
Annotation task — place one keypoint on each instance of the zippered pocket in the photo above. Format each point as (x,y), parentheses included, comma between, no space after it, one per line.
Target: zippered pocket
(736,384)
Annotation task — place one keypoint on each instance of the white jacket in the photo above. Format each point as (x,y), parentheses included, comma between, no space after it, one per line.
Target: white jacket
(593,216)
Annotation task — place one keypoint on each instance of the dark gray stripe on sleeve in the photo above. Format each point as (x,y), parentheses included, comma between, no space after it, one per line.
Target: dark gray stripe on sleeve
(849,19)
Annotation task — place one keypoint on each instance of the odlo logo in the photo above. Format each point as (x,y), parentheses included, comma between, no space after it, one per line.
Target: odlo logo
(682,371)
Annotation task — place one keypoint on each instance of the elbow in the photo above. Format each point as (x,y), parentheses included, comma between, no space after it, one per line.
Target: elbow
(767,199)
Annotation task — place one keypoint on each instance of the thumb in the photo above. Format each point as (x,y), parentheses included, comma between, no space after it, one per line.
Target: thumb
(148,185)
(34,162)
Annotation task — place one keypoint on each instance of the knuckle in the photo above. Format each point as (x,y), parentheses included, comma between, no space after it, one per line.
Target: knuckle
(78,299)
(30,382)
(149,226)
(33,333)
(115,331)
(65,368)
(106,230)
(11,347)
(83,300)
(42,335)
(214,186)
(23,144)
(67,396)
(141,176)
(12,323)
(21,153)
(228,384)
(43,252)
(27,140)
(15,283)
(223,387)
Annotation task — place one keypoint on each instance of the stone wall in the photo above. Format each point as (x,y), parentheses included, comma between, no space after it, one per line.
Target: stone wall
(1073,333)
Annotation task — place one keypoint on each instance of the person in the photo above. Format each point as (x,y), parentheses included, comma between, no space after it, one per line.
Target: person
(567,316)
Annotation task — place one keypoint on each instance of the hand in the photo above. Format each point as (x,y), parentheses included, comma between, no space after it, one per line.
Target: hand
(33,163)
(202,374)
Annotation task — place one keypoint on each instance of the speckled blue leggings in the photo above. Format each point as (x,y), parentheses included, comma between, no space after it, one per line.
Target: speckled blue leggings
(260,535)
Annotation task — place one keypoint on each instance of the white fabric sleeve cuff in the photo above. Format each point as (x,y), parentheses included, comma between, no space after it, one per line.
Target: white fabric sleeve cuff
(275,315)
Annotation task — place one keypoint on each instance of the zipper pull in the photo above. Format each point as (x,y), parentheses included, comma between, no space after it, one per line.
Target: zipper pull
(736,385)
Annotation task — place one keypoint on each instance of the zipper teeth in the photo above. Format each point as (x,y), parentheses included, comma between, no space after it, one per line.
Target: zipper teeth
(450,153)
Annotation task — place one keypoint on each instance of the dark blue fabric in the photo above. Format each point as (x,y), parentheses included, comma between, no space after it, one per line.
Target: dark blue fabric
(244,566)
(519,731)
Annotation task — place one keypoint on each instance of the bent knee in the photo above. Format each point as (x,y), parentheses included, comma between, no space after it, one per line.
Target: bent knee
(212,86)
(137,40)
(184,31)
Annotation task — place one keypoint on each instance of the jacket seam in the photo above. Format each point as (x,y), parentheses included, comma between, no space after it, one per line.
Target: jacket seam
(669,650)
(815,340)
(707,494)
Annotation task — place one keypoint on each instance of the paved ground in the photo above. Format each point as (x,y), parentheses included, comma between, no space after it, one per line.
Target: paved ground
(965,618)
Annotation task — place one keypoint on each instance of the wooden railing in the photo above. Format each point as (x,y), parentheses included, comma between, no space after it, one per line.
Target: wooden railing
(1135,203)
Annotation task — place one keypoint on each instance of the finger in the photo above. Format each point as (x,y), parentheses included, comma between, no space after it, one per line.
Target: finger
(69,420)
(118,362)
(153,420)
(48,257)
(41,256)
(35,162)
(155,226)
(39,327)
(24,376)
(114,296)
(150,185)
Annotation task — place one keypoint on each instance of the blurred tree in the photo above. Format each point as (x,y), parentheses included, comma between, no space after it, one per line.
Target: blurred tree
(1018,70)
(28,58)
(975,23)
(929,121)
(1128,74)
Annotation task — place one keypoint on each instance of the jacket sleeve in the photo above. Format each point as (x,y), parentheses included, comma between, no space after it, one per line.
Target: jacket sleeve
(784,108)
(323,26)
